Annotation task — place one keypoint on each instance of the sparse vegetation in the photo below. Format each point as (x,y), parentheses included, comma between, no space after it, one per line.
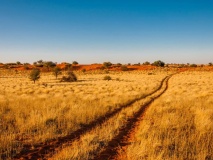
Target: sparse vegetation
(68,66)
(124,68)
(50,110)
(56,72)
(74,62)
(193,65)
(107,64)
(107,78)
(26,66)
(83,70)
(179,124)
(71,77)
(49,64)
(146,63)
(34,75)
(159,63)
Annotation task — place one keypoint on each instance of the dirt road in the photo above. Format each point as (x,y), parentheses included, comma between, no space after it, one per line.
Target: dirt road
(46,150)
(126,133)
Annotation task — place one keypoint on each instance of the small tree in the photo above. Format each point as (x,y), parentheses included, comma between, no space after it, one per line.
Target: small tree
(146,63)
(74,62)
(34,75)
(40,61)
(119,64)
(210,63)
(49,64)
(193,65)
(68,66)
(159,63)
(18,63)
(107,64)
(56,72)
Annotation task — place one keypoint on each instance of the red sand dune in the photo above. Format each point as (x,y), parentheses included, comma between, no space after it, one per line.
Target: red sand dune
(89,67)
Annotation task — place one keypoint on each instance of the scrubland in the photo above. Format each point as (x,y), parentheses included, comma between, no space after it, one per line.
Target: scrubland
(33,113)
(178,125)
(96,143)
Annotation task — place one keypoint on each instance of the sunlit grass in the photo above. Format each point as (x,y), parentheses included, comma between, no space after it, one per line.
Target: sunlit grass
(179,125)
(33,113)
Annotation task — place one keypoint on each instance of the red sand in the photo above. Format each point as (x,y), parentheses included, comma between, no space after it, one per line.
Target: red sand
(90,67)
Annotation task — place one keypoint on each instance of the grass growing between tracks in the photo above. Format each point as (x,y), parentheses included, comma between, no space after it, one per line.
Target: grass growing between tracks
(34,113)
(102,140)
(179,125)
(92,143)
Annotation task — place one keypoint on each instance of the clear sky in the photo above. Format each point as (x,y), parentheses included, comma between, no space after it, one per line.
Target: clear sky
(94,31)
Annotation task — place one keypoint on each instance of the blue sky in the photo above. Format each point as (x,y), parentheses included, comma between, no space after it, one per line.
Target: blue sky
(94,31)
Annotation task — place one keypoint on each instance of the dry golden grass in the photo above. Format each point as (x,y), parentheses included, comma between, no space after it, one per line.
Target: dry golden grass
(179,125)
(94,142)
(32,113)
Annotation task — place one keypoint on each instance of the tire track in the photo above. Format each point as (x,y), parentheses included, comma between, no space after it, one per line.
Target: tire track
(46,149)
(125,133)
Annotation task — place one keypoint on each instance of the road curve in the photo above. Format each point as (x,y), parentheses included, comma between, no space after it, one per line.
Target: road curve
(122,139)
(46,149)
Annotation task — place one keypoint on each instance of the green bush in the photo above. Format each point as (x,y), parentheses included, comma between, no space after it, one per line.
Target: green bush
(146,63)
(74,62)
(34,74)
(107,78)
(56,72)
(193,65)
(68,66)
(18,63)
(71,77)
(107,64)
(83,70)
(159,63)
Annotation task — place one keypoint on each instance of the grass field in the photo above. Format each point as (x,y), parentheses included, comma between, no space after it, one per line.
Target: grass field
(178,125)
(33,113)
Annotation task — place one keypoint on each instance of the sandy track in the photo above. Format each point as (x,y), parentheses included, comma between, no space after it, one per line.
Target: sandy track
(46,149)
(126,134)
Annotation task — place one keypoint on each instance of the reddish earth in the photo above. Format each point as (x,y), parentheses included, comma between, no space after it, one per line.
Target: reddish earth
(90,67)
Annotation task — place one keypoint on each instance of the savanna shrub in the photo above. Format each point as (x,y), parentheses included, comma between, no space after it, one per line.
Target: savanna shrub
(34,74)
(107,78)
(71,77)
(124,68)
(159,63)
(193,65)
